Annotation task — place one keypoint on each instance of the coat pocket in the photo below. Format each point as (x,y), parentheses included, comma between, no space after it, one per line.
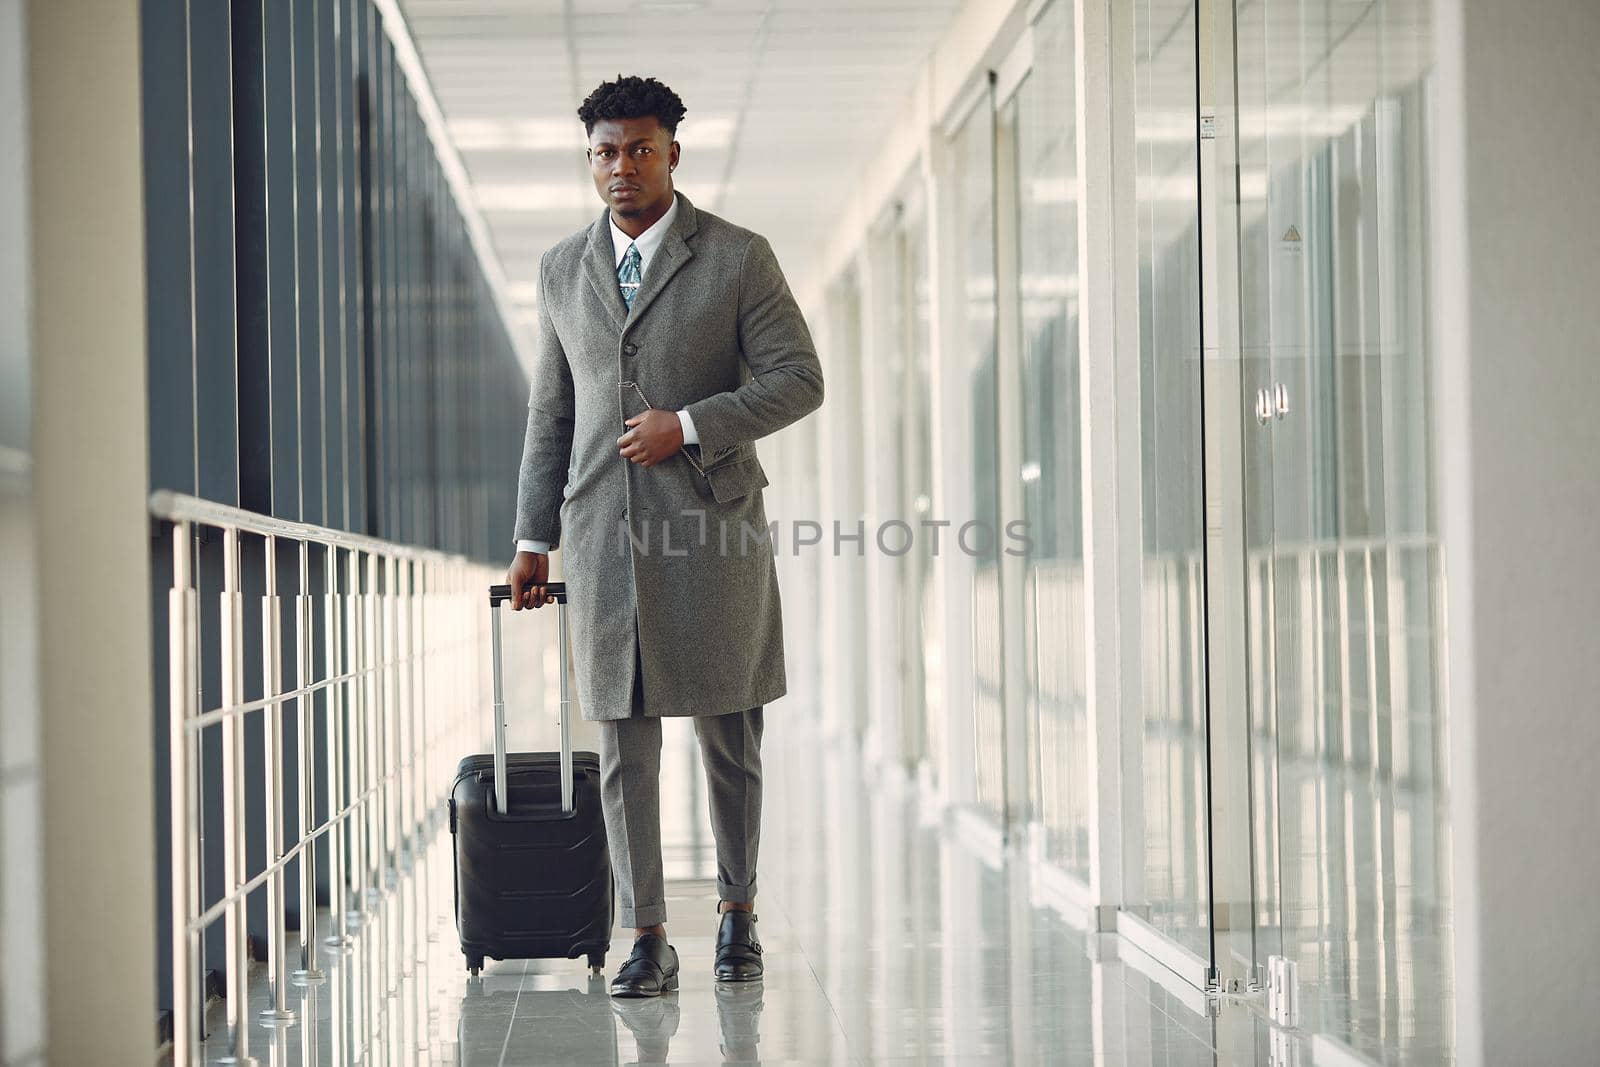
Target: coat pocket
(732,480)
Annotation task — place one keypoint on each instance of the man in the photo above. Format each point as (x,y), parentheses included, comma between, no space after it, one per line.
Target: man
(668,343)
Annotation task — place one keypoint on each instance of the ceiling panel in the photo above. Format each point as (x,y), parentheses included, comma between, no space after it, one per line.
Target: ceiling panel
(786,99)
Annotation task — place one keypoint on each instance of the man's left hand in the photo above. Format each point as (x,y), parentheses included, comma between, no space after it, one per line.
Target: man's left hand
(655,435)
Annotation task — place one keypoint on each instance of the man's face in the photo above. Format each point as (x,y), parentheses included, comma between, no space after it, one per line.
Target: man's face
(631,161)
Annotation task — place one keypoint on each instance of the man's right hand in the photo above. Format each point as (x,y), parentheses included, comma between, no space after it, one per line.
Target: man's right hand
(529,567)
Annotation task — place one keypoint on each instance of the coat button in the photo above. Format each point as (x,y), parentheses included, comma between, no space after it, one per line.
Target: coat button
(630,348)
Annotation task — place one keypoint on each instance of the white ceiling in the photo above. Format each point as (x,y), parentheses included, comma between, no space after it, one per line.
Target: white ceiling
(786,102)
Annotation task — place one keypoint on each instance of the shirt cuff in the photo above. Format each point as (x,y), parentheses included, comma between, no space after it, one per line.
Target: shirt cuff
(541,547)
(690,436)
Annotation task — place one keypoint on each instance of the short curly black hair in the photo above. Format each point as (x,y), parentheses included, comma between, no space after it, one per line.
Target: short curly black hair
(632,97)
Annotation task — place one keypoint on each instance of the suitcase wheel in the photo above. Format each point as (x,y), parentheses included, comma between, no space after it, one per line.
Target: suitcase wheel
(475,965)
(597,962)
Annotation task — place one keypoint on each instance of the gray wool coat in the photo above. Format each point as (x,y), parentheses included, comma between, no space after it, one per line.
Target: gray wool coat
(668,557)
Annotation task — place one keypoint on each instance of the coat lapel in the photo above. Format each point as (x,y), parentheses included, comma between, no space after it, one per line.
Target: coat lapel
(668,260)
(600,267)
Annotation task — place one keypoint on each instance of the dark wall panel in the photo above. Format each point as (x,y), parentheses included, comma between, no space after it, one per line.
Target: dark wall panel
(373,339)
(166,180)
(330,223)
(211,175)
(284,445)
(312,415)
(251,279)
(351,42)
(389,352)
(323,341)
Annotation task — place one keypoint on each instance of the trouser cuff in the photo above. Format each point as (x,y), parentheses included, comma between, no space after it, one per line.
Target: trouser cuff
(642,915)
(742,893)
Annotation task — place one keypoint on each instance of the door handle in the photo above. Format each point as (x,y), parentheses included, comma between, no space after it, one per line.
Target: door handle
(1263,406)
(1280,398)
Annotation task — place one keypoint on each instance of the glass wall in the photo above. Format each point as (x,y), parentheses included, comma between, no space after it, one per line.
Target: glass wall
(1349,718)
(926,709)
(972,255)
(1328,690)
(898,667)
(901,314)
(1170,854)
(1053,608)
(846,568)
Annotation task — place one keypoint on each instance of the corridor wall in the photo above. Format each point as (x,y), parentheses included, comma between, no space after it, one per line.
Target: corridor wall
(1153,280)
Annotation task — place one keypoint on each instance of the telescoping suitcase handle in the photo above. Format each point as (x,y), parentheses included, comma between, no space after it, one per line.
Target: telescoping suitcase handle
(500,594)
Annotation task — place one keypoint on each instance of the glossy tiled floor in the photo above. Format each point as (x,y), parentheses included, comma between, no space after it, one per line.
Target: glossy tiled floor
(887,940)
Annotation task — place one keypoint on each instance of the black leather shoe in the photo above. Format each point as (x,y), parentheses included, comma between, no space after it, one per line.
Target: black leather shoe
(651,969)
(738,948)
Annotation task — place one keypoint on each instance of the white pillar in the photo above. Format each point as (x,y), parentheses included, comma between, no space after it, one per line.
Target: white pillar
(90,483)
(1518,389)
(950,688)
(841,457)
(1108,280)
(881,399)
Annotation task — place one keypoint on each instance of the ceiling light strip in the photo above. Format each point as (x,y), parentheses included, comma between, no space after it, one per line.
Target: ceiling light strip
(406,54)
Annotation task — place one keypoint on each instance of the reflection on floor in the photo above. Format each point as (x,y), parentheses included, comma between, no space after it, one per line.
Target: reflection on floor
(887,939)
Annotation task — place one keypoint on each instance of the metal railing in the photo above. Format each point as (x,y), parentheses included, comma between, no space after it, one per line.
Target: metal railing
(402,641)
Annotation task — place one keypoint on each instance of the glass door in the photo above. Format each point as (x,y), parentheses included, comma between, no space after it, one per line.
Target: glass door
(898,283)
(1050,462)
(971,213)
(1170,873)
(1345,649)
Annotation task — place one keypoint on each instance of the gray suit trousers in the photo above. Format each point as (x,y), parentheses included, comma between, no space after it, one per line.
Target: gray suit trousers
(630,772)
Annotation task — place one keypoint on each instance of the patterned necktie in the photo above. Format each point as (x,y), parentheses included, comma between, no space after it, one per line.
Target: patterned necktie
(628,275)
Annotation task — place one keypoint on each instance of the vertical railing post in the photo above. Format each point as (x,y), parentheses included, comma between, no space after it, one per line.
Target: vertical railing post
(394,717)
(338,867)
(233,800)
(421,744)
(306,803)
(374,1002)
(277,1012)
(425,779)
(183,690)
(399,645)
(390,1025)
(374,715)
(333,652)
(417,668)
(356,716)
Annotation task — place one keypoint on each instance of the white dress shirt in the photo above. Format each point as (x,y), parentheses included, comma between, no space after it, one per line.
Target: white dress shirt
(647,242)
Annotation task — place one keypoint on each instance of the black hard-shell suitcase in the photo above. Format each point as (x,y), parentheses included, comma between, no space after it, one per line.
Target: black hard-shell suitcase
(532,875)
